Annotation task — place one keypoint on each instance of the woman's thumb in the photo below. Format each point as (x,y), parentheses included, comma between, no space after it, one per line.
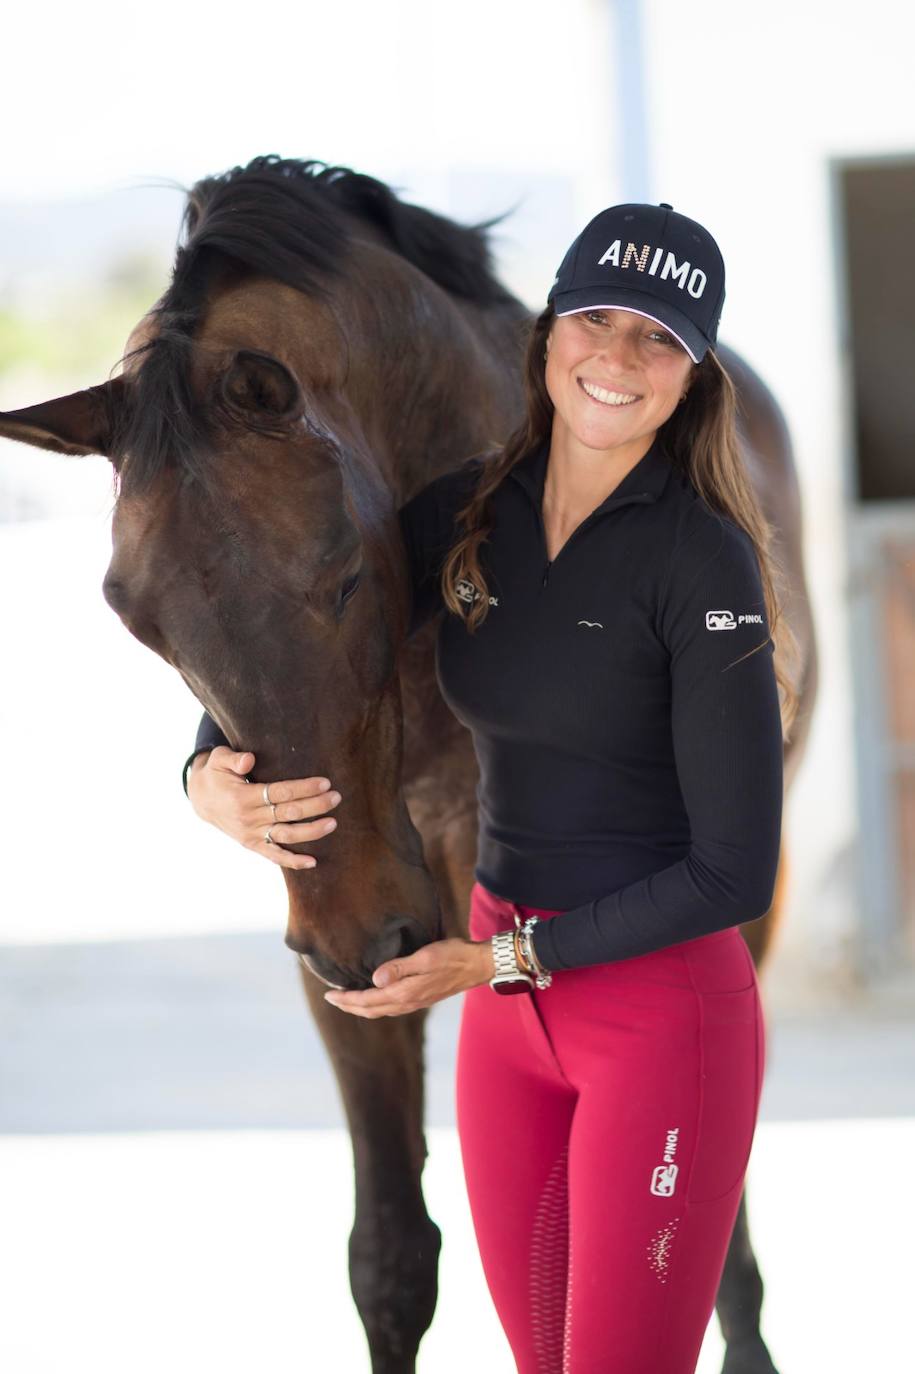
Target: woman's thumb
(242,763)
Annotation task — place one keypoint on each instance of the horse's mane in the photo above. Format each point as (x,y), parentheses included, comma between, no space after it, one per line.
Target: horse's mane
(281,217)
(290,220)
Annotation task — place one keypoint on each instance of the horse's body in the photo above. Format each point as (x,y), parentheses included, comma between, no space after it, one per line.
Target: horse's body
(322,352)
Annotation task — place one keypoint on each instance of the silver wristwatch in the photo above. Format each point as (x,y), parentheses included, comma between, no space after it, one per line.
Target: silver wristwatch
(509,977)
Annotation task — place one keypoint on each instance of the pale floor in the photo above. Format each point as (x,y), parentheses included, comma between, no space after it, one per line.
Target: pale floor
(199,1251)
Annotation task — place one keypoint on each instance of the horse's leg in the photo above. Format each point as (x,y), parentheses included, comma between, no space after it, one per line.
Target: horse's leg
(394,1244)
(740,1292)
(739,1304)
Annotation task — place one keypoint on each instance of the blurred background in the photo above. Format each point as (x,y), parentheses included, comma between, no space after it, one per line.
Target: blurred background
(160,1077)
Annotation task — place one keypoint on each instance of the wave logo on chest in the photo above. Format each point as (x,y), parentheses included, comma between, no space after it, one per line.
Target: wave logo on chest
(592,624)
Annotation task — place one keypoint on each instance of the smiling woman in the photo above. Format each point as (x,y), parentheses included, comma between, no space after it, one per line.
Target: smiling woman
(631,795)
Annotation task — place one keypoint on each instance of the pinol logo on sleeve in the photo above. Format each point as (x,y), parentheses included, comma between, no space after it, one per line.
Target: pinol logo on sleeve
(726,620)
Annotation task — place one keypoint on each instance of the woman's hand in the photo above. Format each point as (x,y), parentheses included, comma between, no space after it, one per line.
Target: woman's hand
(219,794)
(430,975)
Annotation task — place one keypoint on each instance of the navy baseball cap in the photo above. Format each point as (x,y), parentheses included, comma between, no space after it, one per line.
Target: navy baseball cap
(653,261)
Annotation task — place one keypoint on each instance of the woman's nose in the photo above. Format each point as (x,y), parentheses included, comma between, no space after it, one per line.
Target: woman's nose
(621,351)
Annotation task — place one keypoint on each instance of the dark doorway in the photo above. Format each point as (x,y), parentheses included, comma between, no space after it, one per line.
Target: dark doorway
(877,200)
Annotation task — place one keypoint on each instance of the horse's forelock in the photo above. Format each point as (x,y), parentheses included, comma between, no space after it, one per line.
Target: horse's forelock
(160,424)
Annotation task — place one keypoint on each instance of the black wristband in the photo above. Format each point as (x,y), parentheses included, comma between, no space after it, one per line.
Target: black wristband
(205,750)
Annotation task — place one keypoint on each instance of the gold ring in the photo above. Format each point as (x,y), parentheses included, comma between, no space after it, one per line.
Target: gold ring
(267,801)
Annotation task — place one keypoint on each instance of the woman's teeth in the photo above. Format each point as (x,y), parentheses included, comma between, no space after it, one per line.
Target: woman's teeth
(609,398)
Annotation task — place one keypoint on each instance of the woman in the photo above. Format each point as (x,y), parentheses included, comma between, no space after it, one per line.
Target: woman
(609,644)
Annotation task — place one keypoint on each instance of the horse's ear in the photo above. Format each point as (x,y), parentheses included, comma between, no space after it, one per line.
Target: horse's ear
(261,386)
(80,423)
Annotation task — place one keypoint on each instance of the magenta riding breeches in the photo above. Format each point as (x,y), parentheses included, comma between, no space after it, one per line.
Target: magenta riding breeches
(605,1127)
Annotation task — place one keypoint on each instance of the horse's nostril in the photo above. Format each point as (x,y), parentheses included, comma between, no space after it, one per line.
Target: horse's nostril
(400,939)
(115,593)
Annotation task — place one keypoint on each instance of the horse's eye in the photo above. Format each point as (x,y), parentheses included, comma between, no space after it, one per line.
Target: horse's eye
(348,588)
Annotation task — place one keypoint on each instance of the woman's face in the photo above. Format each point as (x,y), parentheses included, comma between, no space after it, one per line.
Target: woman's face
(614,377)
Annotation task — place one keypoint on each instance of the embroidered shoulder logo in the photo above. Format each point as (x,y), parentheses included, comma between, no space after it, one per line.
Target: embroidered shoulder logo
(725,620)
(464,590)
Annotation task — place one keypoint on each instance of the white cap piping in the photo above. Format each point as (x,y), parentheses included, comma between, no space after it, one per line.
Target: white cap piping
(682,342)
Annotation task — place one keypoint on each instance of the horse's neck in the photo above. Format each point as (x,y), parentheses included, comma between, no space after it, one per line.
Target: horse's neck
(467,398)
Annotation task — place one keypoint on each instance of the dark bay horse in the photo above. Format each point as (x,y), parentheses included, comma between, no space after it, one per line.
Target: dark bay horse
(322,351)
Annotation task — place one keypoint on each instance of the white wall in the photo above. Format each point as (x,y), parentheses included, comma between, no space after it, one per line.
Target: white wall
(748,106)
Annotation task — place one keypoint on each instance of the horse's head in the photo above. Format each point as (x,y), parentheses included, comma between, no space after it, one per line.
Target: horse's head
(270,416)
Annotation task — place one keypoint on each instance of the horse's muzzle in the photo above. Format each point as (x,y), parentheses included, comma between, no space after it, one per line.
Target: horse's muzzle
(400,938)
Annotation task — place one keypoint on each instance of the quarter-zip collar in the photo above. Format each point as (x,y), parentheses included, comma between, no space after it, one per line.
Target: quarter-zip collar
(644,483)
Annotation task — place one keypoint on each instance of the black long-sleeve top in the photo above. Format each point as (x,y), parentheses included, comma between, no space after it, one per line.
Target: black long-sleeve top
(625,720)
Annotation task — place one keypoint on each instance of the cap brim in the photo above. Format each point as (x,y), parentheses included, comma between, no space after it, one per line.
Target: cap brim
(637,303)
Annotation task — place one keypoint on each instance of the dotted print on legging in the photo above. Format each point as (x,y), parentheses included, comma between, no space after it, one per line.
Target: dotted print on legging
(549,1252)
(659,1248)
(567,1332)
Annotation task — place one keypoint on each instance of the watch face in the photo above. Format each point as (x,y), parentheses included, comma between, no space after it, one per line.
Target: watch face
(507,984)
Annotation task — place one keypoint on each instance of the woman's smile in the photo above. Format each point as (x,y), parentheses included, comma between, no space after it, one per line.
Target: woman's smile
(604,396)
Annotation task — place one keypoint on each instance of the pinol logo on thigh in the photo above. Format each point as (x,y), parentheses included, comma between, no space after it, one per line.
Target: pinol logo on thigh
(664,1177)
(664,1180)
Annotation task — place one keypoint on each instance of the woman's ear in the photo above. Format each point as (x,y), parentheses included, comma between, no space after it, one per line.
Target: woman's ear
(691,377)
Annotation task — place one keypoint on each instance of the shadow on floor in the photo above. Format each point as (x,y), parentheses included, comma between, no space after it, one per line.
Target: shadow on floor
(213,1032)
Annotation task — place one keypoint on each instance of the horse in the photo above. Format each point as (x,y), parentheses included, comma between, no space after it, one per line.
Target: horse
(322,351)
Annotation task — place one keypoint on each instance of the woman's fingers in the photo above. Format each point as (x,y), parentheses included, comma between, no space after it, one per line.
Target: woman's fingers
(291,832)
(295,789)
(393,1001)
(300,833)
(292,809)
(292,802)
(434,972)
(300,807)
(284,858)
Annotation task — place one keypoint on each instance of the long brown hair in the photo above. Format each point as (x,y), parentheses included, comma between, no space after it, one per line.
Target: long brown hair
(701,439)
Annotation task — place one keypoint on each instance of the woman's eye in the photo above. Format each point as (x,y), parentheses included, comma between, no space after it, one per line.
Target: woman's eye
(665,338)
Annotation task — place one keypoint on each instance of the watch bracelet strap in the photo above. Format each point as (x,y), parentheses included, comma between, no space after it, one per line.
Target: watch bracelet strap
(504,957)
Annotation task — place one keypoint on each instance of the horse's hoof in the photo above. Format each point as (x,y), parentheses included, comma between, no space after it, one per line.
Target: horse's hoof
(748,1357)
